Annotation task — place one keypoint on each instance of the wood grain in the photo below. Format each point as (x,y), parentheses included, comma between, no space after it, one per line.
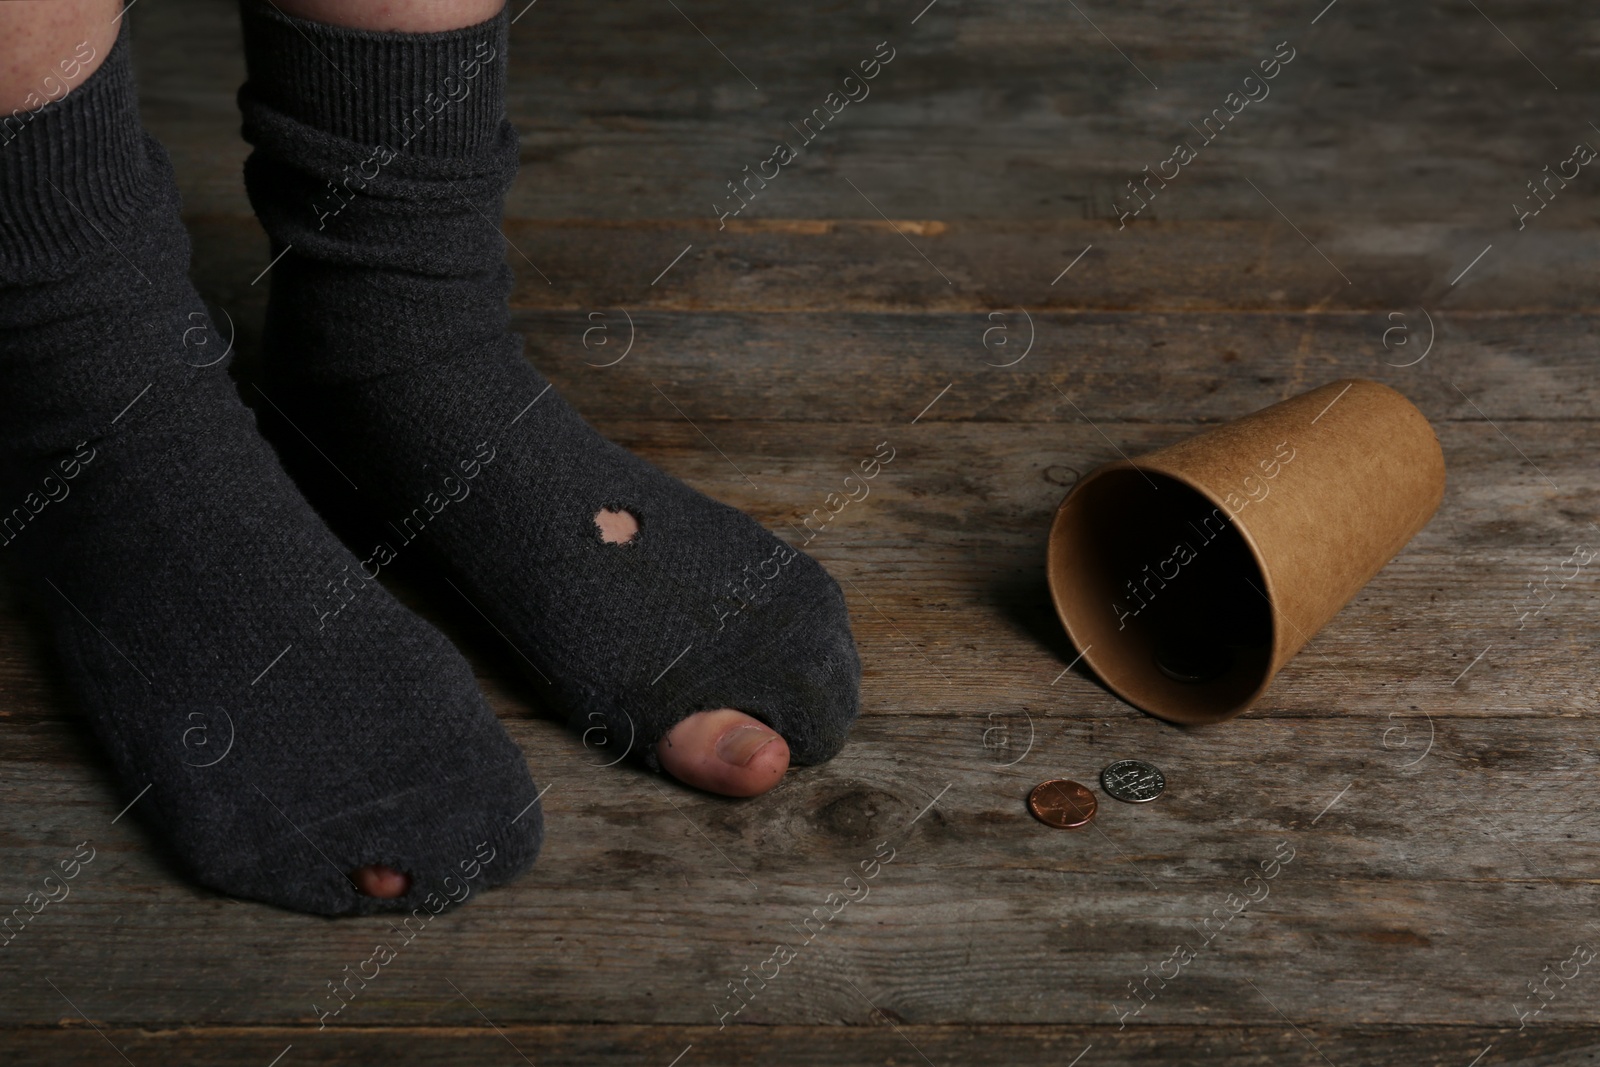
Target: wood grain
(943,562)
(1428,757)
(831,1046)
(1464,874)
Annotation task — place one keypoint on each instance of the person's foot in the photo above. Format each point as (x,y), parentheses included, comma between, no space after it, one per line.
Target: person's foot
(295,733)
(665,624)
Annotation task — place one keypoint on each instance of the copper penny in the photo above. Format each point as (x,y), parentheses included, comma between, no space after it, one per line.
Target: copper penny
(1062,804)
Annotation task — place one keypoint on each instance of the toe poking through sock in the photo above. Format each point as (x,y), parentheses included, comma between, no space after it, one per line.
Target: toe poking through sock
(617,527)
(725,751)
(384,883)
(738,747)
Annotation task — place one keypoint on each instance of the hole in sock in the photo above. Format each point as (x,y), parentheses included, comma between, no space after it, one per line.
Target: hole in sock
(616,527)
(384,883)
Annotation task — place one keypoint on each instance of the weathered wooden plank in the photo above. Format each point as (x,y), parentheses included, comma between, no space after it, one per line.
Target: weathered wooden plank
(943,565)
(1424,894)
(998,265)
(1116,366)
(946,558)
(989,110)
(741,360)
(814,1046)
(863,265)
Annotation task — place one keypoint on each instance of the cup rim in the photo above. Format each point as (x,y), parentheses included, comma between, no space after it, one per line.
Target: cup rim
(1053,579)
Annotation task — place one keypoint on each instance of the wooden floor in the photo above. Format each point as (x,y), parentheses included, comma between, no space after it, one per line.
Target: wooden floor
(1429,759)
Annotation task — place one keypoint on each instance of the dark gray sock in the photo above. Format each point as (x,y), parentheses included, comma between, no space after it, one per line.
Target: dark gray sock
(381,161)
(281,720)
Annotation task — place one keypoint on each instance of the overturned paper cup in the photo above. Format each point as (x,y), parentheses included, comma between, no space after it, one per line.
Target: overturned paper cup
(1189,576)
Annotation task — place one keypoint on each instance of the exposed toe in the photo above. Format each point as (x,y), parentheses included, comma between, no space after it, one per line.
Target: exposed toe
(724,751)
(385,883)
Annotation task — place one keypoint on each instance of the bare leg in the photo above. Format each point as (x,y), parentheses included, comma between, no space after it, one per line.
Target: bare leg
(49,46)
(404,16)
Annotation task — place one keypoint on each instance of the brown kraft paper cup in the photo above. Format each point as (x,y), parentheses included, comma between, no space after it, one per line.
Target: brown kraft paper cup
(1188,577)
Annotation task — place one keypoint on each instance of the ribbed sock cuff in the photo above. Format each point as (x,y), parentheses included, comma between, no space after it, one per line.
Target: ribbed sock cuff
(74,173)
(423,94)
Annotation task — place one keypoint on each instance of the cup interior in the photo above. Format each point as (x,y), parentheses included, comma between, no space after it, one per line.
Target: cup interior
(1162,594)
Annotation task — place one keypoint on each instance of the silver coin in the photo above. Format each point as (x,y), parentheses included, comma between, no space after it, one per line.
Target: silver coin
(1133,781)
